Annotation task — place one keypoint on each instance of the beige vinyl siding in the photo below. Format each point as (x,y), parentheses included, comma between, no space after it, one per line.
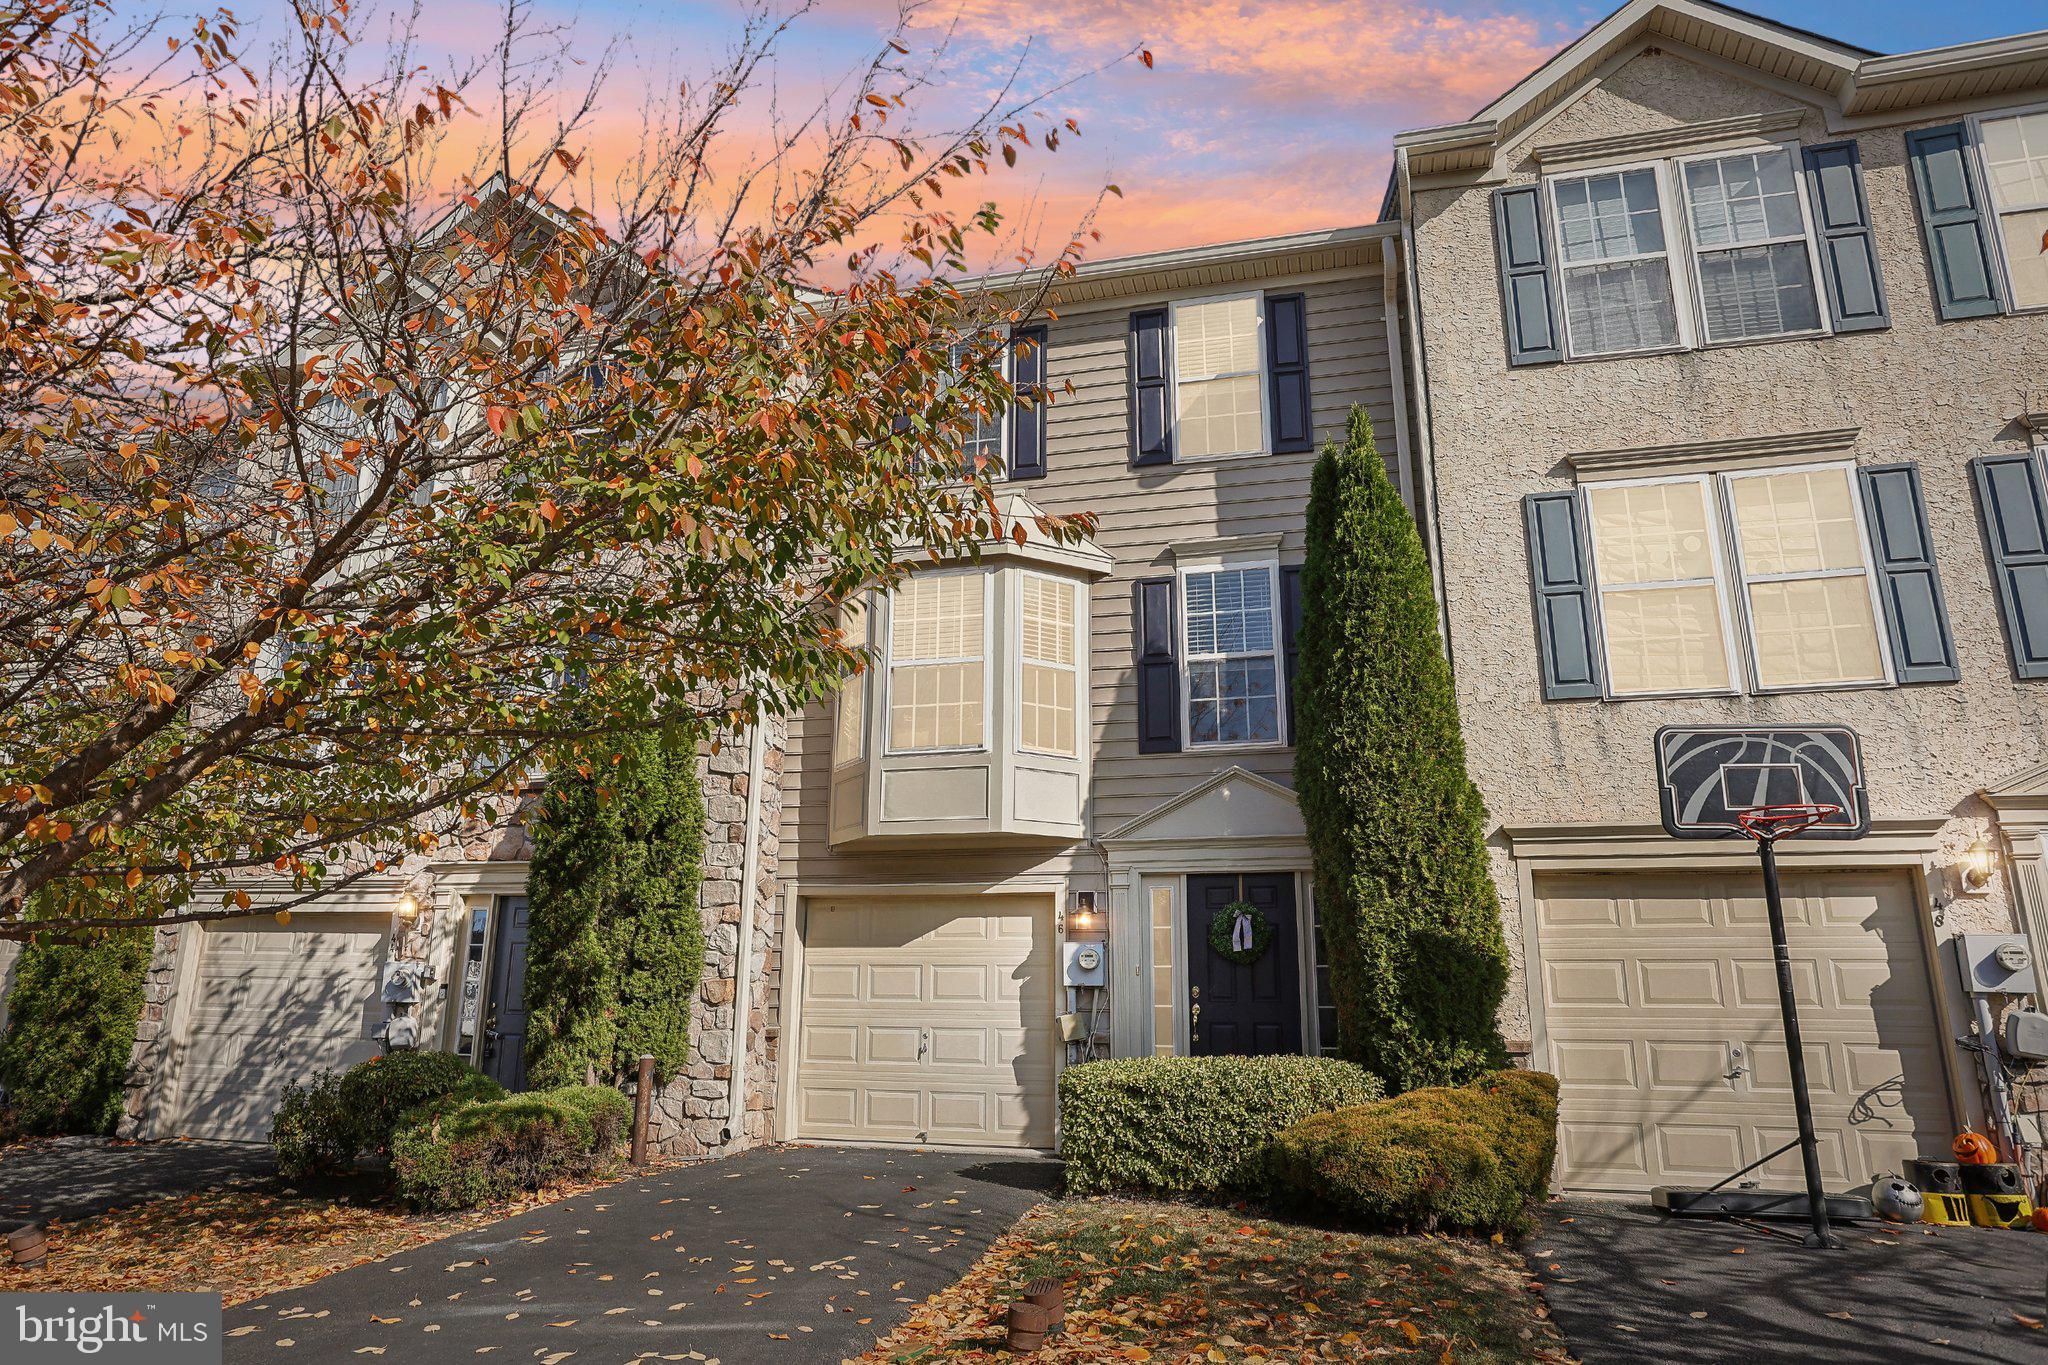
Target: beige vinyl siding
(1142,514)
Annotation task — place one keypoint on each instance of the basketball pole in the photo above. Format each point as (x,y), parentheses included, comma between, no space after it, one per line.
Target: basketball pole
(1795,1054)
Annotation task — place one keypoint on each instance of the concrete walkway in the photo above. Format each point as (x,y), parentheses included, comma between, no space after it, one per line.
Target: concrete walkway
(1627,1284)
(785,1254)
(71,1178)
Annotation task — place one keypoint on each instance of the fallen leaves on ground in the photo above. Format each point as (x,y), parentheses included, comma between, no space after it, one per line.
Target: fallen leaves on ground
(1166,1282)
(248,1238)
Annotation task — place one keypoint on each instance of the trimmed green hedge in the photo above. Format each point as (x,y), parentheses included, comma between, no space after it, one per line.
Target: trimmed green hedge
(457,1155)
(1470,1158)
(327,1125)
(1193,1126)
(70,1028)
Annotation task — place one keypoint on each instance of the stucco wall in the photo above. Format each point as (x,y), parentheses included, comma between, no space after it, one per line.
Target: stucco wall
(1938,393)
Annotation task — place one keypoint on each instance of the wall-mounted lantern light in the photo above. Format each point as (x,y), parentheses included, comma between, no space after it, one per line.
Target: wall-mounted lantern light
(1975,865)
(408,908)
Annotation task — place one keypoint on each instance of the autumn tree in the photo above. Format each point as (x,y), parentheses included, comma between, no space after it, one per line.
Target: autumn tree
(365,447)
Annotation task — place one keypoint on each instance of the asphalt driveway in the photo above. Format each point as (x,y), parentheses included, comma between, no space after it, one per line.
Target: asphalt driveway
(1629,1284)
(71,1178)
(783,1254)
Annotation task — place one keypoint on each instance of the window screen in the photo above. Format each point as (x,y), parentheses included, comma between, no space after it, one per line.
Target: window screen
(1049,676)
(935,663)
(1218,368)
(1232,671)
(1749,239)
(1617,270)
(2015,151)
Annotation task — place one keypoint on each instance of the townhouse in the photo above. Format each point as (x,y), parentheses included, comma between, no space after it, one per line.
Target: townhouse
(1710,358)
(1734,345)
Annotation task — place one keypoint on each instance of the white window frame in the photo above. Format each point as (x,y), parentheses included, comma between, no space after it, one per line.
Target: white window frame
(1676,256)
(1260,368)
(1006,364)
(1742,579)
(865,681)
(1994,229)
(1695,252)
(1731,584)
(986,660)
(1078,667)
(1716,547)
(1188,657)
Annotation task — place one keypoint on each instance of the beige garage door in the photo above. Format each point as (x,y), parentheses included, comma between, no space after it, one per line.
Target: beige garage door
(271,1004)
(1664,1026)
(928,1021)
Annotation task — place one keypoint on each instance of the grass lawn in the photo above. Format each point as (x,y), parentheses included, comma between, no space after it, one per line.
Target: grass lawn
(1169,1282)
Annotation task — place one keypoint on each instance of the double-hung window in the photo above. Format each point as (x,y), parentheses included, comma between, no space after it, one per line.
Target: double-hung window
(982,444)
(1232,659)
(1766,575)
(1701,250)
(938,645)
(1614,250)
(1752,253)
(1219,371)
(849,728)
(1048,665)
(2014,148)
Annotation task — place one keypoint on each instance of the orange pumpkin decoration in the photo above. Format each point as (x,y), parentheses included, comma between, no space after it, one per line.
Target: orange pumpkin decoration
(2041,1220)
(1974,1149)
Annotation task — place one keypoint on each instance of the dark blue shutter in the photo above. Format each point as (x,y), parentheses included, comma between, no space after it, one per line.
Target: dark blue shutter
(1151,434)
(1848,249)
(1562,580)
(1952,220)
(1527,288)
(1027,414)
(1290,636)
(1909,582)
(2015,511)
(1287,372)
(1158,667)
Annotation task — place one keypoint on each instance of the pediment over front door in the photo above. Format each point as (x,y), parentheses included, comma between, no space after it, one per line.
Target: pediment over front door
(1235,805)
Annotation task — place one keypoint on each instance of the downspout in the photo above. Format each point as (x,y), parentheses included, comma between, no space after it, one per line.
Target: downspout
(743,951)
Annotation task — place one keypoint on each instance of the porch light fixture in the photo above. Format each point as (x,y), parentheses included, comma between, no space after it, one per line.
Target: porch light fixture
(1083,915)
(408,908)
(1975,866)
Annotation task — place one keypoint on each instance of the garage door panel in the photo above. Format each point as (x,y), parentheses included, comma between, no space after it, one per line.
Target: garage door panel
(1642,1049)
(268,1006)
(952,1029)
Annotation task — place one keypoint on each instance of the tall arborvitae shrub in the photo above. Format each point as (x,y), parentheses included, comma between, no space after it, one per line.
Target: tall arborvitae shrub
(70,1026)
(615,943)
(1410,915)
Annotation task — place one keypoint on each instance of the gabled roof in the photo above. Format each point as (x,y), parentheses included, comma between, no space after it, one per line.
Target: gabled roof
(1234,804)
(1849,80)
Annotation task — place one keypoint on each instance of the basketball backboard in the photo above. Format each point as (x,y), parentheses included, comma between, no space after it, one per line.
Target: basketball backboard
(1707,775)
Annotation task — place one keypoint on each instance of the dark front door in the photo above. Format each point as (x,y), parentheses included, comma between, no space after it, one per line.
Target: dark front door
(1234,1009)
(505,1012)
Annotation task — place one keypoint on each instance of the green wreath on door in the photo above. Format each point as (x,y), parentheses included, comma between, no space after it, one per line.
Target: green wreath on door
(1240,932)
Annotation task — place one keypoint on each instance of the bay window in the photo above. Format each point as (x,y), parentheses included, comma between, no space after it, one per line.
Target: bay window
(1232,661)
(849,728)
(1219,369)
(937,647)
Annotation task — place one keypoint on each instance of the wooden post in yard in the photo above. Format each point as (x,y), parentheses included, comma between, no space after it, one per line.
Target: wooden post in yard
(643,1102)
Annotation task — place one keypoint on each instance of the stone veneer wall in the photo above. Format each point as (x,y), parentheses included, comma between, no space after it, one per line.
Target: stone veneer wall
(690,1117)
(146,1058)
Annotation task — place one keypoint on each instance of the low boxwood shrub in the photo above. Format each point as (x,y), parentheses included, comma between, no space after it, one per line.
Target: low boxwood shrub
(330,1123)
(1191,1126)
(1469,1158)
(456,1155)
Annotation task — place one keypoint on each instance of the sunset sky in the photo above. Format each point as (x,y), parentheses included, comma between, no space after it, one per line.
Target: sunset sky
(1257,117)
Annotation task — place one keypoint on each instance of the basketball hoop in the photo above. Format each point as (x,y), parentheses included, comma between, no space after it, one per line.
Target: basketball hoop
(1768,824)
